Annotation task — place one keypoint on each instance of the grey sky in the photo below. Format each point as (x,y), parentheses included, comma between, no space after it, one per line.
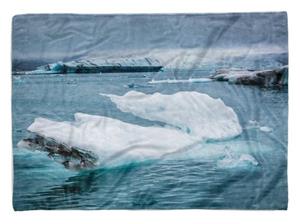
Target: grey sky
(62,36)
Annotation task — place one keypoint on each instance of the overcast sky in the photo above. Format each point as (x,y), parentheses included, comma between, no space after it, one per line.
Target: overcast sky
(58,37)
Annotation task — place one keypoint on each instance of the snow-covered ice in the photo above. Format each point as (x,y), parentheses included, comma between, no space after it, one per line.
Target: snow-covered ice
(195,113)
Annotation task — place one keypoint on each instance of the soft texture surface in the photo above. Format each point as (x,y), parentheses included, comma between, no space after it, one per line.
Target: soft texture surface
(130,111)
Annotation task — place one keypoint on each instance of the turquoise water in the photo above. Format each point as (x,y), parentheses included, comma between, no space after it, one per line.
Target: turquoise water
(192,179)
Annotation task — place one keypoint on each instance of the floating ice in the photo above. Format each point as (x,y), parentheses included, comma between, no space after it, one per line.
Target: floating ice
(195,113)
(115,142)
(233,160)
(191,118)
(266,78)
(265,129)
(242,160)
(171,81)
(225,154)
(253,124)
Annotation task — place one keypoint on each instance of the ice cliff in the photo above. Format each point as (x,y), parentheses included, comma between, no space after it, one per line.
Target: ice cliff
(96,65)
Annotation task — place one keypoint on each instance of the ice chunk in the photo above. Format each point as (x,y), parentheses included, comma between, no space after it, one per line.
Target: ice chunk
(233,160)
(266,78)
(237,161)
(190,118)
(226,154)
(265,129)
(195,113)
(113,141)
(171,81)
(253,124)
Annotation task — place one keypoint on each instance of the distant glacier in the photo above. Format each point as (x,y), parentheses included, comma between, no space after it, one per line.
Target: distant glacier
(96,65)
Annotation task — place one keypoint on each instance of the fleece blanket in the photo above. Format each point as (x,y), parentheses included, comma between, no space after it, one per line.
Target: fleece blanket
(166,111)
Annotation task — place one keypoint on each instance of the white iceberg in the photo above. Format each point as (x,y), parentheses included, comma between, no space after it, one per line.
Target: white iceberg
(190,118)
(195,113)
(113,141)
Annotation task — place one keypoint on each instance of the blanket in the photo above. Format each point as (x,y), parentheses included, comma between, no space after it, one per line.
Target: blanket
(153,111)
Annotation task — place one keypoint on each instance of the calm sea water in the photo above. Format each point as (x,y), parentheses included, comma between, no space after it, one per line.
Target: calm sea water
(193,181)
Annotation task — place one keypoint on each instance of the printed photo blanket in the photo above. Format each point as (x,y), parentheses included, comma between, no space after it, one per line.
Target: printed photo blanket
(150,111)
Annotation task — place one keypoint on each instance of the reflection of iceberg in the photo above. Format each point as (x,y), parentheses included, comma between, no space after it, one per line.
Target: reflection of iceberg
(96,65)
(190,118)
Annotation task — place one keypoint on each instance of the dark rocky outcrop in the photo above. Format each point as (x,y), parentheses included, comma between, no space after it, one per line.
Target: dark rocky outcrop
(267,78)
(71,157)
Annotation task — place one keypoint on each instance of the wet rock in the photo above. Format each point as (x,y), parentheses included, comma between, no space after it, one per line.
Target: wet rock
(71,157)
